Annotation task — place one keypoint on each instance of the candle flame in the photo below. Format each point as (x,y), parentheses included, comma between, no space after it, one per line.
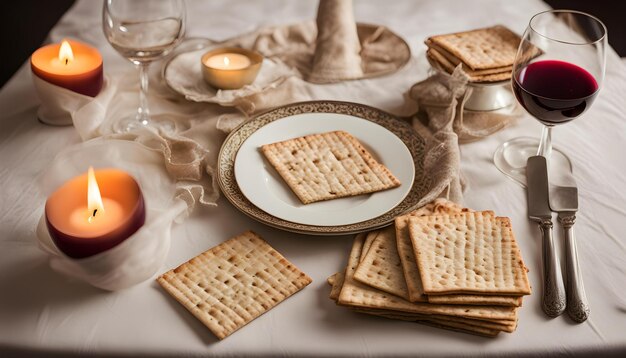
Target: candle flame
(94,200)
(65,52)
(226,61)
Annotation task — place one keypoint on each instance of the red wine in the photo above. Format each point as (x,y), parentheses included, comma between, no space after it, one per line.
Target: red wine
(554,92)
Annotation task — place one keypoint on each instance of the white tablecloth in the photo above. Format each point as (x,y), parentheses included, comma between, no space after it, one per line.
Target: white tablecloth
(44,312)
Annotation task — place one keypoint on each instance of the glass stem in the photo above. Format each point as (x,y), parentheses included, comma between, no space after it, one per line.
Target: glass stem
(545,146)
(143,113)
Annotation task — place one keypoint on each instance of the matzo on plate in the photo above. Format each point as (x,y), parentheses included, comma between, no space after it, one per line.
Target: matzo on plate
(328,166)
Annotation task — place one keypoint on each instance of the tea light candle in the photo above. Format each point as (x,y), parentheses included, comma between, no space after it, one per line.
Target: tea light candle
(230,68)
(228,61)
(70,64)
(94,212)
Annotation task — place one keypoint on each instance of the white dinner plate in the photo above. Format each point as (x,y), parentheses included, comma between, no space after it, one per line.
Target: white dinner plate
(266,189)
(269,200)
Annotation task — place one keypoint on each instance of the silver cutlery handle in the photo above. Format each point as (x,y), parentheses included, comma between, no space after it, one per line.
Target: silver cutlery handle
(553,288)
(577,306)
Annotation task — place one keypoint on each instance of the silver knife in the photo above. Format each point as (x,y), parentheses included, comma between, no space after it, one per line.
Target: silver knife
(539,211)
(564,200)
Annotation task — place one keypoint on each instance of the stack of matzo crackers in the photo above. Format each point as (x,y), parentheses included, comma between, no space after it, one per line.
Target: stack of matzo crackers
(441,265)
(485,55)
(233,283)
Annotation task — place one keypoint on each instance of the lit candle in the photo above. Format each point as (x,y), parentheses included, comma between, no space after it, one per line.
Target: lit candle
(228,61)
(70,64)
(94,212)
(230,68)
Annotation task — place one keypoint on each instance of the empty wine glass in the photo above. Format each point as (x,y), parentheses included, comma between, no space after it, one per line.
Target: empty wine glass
(143,31)
(557,74)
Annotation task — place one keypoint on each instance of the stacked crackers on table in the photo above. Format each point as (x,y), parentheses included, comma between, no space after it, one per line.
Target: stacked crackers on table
(441,265)
(233,283)
(485,55)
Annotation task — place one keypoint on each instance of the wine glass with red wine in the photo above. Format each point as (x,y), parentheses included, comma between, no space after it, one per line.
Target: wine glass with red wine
(557,74)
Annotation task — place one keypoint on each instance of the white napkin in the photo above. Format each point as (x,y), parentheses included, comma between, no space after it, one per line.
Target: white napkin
(189,155)
(59,104)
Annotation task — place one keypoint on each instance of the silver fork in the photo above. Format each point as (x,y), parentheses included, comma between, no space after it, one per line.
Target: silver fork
(564,200)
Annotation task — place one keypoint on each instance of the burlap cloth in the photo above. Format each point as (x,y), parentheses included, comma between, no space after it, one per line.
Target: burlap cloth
(337,47)
(359,53)
(443,122)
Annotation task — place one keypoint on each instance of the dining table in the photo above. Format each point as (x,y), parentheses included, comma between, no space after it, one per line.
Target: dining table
(44,313)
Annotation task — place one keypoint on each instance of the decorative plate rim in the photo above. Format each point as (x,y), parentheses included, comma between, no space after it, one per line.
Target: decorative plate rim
(277,199)
(402,129)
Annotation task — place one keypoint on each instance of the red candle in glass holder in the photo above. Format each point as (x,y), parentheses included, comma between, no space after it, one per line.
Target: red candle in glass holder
(94,212)
(70,64)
